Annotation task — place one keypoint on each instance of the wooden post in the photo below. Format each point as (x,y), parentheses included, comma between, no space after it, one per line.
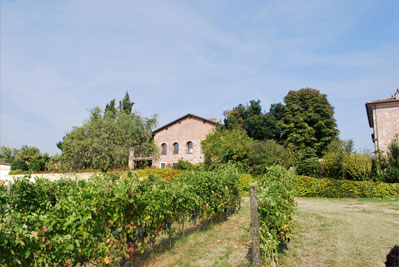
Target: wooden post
(256,260)
(106,188)
(9,188)
(131,158)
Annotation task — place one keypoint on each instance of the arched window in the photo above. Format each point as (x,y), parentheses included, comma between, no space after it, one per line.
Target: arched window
(175,148)
(164,148)
(189,147)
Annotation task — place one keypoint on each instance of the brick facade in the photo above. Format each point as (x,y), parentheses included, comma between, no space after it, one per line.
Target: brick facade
(383,117)
(189,128)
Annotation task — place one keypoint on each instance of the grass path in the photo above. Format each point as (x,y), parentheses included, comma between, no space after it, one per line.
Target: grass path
(222,244)
(328,232)
(343,232)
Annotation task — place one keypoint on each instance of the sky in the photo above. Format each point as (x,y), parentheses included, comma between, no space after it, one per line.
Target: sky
(59,59)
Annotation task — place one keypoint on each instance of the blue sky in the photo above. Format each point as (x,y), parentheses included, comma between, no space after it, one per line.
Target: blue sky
(61,58)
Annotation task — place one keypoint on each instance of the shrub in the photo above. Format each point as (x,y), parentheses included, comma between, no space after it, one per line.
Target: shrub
(19,164)
(358,167)
(225,146)
(245,180)
(164,174)
(104,219)
(183,165)
(264,154)
(342,165)
(16,172)
(275,207)
(316,187)
(38,163)
(392,175)
(333,164)
(310,167)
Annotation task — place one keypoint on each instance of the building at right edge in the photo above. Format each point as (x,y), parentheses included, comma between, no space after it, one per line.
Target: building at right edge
(383,116)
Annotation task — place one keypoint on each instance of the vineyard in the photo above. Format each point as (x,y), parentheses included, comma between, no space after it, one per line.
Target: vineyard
(105,220)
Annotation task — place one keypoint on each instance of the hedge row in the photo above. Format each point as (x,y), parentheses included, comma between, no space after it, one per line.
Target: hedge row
(325,187)
(104,220)
(276,205)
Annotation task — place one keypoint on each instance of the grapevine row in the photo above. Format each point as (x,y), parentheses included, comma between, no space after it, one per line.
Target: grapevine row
(106,219)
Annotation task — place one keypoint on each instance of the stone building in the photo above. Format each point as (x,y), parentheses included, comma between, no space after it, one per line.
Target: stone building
(383,116)
(179,140)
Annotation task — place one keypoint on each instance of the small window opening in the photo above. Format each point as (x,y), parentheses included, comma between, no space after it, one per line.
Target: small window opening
(189,147)
(175,148)
(164,149)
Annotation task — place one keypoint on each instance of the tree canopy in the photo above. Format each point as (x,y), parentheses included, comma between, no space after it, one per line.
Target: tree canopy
(104,140)
(308,122)
(257,124)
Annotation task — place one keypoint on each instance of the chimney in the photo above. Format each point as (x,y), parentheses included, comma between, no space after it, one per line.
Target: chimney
(396,96)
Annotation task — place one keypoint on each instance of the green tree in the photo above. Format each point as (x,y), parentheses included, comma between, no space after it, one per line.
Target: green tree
(38,163)
(223,146)
(308,122)
(110,109)
(7,154)
(257,124)
(26,153)
(19,164)
(104,142)
(126,104)
(393,162)
(264,154)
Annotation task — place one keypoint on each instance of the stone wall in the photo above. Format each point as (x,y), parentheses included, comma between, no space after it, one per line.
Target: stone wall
(386,125)
(189,129)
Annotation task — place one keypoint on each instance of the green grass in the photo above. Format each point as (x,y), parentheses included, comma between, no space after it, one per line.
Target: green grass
(328,232)
(342,232)
(224,243)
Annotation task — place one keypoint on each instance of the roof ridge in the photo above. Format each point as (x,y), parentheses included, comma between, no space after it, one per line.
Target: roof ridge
(181,118)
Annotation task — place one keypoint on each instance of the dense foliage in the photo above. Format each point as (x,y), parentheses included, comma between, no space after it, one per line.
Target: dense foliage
(103,141)
(24,159)
(224,146)
(264,154)
(257,124)
(245,180)
(276,205)
(317,187)
(105,219)
(310,167)
(340,164)
(308,123)
(392,172)
(235,146)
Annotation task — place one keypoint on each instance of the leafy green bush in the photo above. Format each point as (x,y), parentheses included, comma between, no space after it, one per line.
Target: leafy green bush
(16,172)
(19,164)
(164,174)
(310,167)
(333,164)
(38,163)
(343,165)
(183,165)
(104,219)
(358,167)
(245,180)
(316,187)
(276,205)
(264,154)
(393,162)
